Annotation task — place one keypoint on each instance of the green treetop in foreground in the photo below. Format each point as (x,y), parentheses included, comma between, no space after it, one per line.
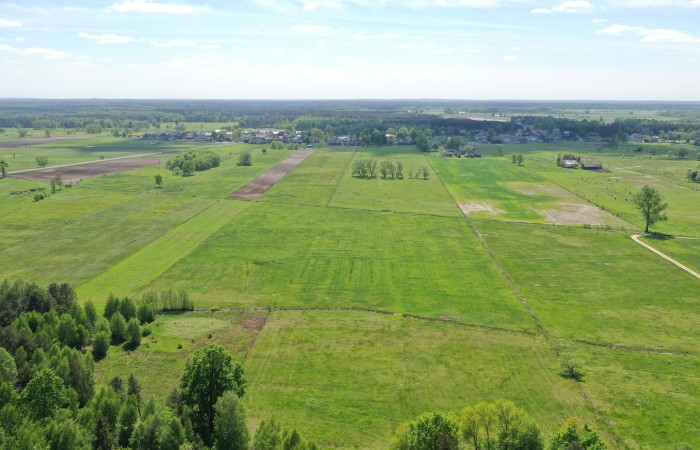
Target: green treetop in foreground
(208,374)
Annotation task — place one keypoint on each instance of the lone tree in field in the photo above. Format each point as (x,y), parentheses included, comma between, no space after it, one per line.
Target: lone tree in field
(521,158)
(651,204)
(208,374)
(42,161)
(3,167)
(159,180)
(246,159)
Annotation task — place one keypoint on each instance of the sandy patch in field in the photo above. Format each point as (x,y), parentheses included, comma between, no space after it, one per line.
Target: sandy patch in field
(578,213)
(538,189)
(472,207)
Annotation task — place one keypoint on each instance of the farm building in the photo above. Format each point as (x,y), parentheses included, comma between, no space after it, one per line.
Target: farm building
(591,165)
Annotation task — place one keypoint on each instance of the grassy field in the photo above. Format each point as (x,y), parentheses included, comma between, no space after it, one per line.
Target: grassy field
(350,378)
(595,286)
(445,248)
(301,256)
(685,251)
(146,264)
(612,189)
(80,150)
(650,401)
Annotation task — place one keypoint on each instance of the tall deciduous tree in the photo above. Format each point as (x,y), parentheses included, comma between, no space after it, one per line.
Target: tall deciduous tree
(208,374)
(573,435)
(650,203)
(44,394)
(229,423)
(434,430)
(499,426)
(3,167)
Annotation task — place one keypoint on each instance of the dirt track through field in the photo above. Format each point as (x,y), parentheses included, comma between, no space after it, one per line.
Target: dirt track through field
(270,177)
(636,239)
(81,171)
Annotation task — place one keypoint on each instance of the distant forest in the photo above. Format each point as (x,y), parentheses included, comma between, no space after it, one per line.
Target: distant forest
(681,120)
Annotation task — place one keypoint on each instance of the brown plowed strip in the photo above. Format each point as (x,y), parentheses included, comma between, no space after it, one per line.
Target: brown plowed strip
(270,177)
(28,142)
(75,172)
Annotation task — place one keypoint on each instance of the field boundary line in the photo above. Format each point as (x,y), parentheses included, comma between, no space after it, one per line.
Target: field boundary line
(377,312)
(635,238)
(340,180)
(628,349)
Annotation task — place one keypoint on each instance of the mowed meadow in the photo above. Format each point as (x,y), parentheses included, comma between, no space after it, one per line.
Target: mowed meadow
(357,304)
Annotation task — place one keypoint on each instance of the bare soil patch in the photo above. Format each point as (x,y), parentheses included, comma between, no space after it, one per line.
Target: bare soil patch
(270,177)
(569,213)
(538,189)
(28,142)
(255,322)
(75,172)
(472,207)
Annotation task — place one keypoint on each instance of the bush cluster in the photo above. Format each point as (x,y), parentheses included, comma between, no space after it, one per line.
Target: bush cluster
(188,162)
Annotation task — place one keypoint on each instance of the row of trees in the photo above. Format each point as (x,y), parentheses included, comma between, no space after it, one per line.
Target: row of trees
(495,426)
(369,168)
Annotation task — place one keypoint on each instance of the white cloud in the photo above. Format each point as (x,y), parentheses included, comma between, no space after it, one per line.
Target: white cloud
(652,35)
(361,37)
(569,7)
(653,3)
(311,29)
(599,20)
(280,7)
(509,58)
(46,53)
(172,43)
(144,6)
(452,3)
(106,38)
(5,23)
(211,46)
(313,5)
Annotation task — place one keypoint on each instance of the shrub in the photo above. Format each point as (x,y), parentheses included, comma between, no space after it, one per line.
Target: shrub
(246,159)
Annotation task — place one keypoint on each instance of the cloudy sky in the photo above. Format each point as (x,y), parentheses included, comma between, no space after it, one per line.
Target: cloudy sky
(338,49)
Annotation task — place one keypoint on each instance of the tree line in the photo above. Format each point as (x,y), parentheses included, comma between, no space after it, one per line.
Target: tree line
(491,426)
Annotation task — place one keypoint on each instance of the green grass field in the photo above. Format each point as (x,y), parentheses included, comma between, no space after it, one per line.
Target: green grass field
(685,251)
(80,150)
(457,248)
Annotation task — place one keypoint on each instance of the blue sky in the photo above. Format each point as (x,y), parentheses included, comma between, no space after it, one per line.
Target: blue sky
(338,49)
